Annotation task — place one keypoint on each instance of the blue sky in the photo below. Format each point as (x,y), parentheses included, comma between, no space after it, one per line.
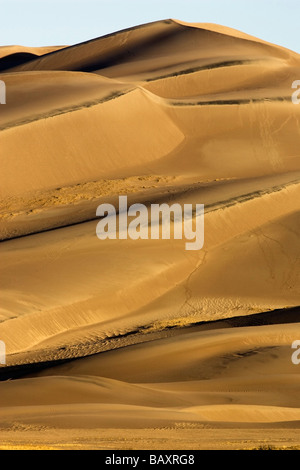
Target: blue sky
(60,22)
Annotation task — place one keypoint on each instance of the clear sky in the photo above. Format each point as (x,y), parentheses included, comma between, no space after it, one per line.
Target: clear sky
(67,22)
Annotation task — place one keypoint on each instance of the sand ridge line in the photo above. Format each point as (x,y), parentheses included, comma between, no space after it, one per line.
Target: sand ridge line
(70,109)
(209,66)
(231,102)
(165,101)
(61,197)
(144,334)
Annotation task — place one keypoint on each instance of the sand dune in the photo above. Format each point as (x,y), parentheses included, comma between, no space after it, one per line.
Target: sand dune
(10,56)
(6,51)
(180,348)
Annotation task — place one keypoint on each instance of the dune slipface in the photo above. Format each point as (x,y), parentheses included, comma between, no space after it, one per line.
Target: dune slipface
(182,349)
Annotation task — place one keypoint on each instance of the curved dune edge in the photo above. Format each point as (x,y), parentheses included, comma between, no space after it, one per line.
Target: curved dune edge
(225,30)
(6,51)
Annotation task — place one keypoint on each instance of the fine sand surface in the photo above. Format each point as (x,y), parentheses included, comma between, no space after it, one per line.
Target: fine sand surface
(142,344)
